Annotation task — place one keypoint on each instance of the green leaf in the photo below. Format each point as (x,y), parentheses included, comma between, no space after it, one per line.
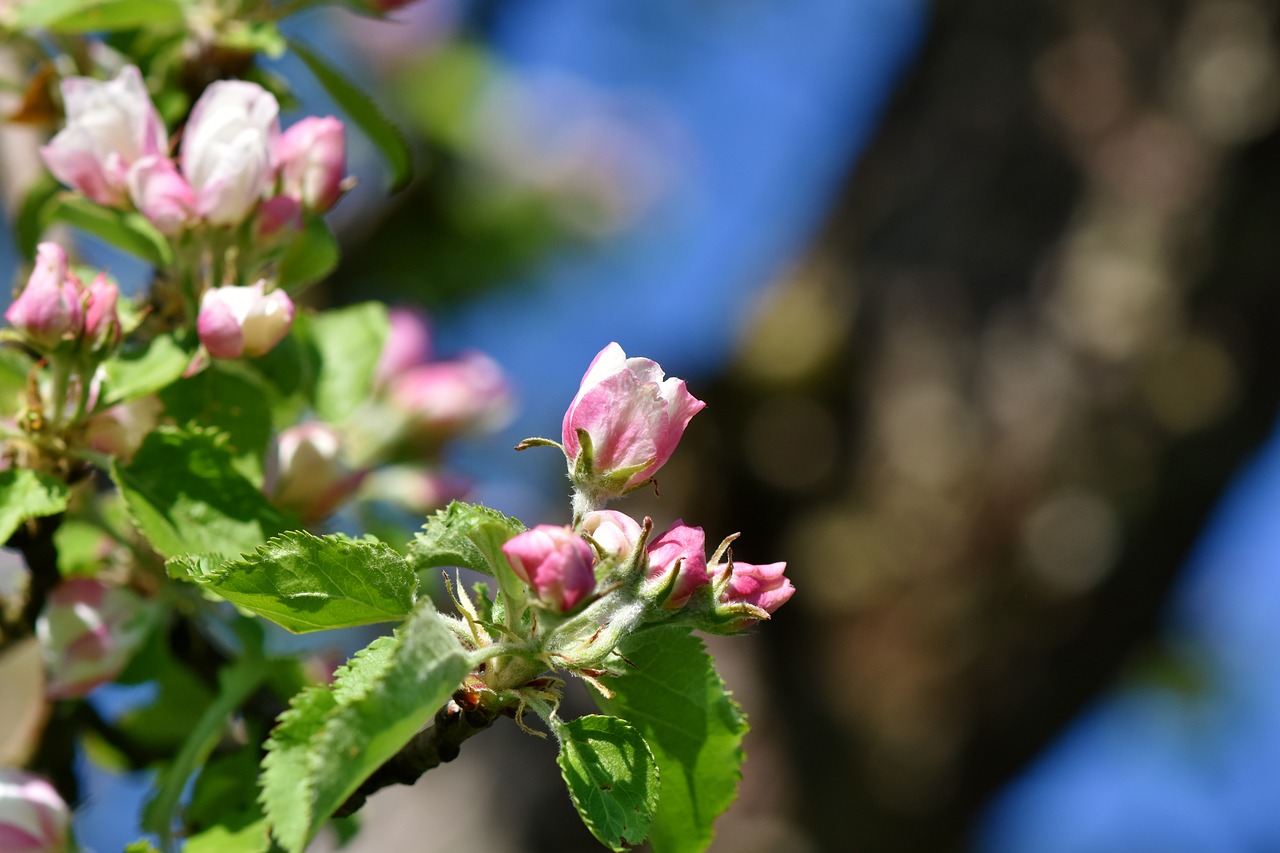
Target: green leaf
(32,218)
(310,256)
(164,723)
(142,845)
(185,494)
(236,834)
(259,36)
(361,109)
(675,697)
(236,684)
(140,372)
(325,747)
(15,366)
(468,536)
(228,397)
(612,778)
(307,583)
(127,230)
(25,494)
(349,342)
(91,16)
(223,811)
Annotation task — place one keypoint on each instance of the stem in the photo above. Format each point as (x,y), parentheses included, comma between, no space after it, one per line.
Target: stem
(429,748)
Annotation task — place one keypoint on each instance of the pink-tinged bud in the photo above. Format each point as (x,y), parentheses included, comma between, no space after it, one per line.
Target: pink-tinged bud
(310,475)
(678,562)
(119,430)
(226,149)
(101,319)
(556,564)
(616,533)
(33,818)
(236,321)
(748,593)
(634,417)
(163,195)
(110,126)
(49,308)
(311,161)
(279,216)
(88,631)
(408,343)
(444,398)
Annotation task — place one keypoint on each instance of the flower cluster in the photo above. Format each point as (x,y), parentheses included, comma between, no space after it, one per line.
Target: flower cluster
(233,160)
(56,308)
(622,426)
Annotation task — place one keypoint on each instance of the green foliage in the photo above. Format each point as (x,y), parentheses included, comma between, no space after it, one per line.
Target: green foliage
(612,778)
(14,369)
(349,343)
(224,811)
(186,495)
(675,697)
(236,684)
(138,372)
(127,230)
(310,256)
(306,583)
(361,109)
(91,16)
(230,398)
(25,494)
(330,741)
(468,536)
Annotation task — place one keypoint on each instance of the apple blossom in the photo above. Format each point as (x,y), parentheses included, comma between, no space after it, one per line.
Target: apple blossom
(678,561)
(408,343)
(88,631)
(50,307)
(163,195)
(632,417)
(310,475)
(33,817)
(101,320)
(310,160)
(615,532)
(555,562)
(110,126)
(119,430)
(226,149)
(236,321)
(746,593)
(444,398)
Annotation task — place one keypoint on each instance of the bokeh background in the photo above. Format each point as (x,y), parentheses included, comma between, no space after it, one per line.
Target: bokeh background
(984,299)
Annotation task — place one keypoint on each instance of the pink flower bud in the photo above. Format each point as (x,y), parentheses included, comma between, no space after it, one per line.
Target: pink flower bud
(310,475)
(444,398)
(311,160)
(119,430)
(33,818)
(101,320)
(49,308)
(236,321)
(110,126)
(88,631)
(746,592)
(418,490)
(615,532)
(226,149)
(163,195)
(634,417)
(678,558)
(408,343)
(556,564)
(279,216)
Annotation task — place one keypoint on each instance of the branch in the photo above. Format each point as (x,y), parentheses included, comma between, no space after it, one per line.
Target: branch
(429,748)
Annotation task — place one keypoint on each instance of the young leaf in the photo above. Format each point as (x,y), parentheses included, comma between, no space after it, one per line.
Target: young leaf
(612,778)
(307,583)
(137,373)
(125,230)
(285,781)
(184,493)
(236,684)
(349,342)
(361,109)
(25,494)
(675,697)
(468,536)
(90,16)
(232,400)
(324,748)
(310,256)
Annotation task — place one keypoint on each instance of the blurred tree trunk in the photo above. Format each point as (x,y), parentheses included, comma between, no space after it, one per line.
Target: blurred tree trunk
(988,416)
